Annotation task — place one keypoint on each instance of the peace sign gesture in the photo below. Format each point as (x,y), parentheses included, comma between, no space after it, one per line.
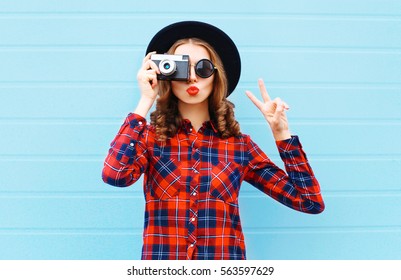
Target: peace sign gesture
(273,111)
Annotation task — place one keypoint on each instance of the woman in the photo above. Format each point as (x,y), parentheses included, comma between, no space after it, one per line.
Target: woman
(193,155)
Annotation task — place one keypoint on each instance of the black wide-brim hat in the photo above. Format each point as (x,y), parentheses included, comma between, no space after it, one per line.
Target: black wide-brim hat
(219,40)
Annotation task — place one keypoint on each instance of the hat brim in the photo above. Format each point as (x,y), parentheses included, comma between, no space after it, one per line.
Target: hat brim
(219,40)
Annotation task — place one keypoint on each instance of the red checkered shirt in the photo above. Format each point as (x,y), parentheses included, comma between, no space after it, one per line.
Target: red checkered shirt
(191,186)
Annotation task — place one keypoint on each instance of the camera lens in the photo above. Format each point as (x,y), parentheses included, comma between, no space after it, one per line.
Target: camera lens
(167,67)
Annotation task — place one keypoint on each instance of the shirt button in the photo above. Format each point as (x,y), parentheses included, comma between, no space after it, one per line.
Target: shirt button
(131,144)
(196,171)
(190,129)
(192,245)
(193,219)
(140,123)
(194,194)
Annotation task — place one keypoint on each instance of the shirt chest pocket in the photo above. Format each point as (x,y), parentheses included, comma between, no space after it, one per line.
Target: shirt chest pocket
(225,181)
(164,178)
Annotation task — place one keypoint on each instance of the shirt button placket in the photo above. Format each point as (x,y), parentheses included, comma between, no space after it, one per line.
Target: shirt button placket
(192,224)
(194,193)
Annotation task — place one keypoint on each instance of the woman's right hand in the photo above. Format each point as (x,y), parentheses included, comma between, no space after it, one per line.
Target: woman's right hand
(148,86)
(147,78)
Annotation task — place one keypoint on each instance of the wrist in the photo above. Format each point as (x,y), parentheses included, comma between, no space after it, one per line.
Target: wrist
(144,105)
(281,135)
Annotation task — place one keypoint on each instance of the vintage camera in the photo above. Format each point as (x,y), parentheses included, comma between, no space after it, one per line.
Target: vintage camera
(172,66)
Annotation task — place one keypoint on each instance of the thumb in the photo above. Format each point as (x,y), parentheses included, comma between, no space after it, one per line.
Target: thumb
(280,109)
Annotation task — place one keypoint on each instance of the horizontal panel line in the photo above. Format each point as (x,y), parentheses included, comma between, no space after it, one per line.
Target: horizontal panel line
(71,47)
(74,121)
(70,84)
(244,84)
(357,158)
(83,231)
(74,195)
(242,48)
(53,158)
(68,121)
(344,229)
(138,231)
(320,49)
(336,85)
(329,121)
(218,14)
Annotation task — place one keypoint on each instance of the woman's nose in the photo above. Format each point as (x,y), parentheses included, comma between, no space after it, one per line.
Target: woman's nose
(192,75)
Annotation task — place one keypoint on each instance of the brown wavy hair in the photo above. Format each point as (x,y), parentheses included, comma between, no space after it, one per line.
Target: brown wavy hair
(166,119)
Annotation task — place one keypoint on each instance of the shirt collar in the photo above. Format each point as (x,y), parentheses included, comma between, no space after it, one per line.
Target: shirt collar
(187,125)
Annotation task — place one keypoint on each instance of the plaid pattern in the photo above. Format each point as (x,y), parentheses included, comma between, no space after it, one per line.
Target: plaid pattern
(192,182)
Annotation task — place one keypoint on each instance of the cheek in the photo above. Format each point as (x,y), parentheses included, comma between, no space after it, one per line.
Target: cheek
(210,82)
(174,86)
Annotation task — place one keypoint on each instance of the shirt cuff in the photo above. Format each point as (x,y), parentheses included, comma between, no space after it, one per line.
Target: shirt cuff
(291,150)
(135,120)
(289,145)
(130,131)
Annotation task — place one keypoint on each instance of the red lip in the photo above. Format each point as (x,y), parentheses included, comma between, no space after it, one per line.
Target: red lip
(193,90)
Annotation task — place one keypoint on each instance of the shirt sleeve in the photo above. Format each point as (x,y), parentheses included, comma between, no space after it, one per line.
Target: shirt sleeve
(127,156)
(296,187)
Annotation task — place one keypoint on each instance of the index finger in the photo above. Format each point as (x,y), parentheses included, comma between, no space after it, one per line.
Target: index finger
(149,64)
(147,57)
(263,91)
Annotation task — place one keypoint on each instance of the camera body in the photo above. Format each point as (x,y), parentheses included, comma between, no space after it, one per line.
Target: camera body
(173,67)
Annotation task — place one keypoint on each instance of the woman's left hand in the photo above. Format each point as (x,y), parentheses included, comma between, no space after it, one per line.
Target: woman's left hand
(273,111)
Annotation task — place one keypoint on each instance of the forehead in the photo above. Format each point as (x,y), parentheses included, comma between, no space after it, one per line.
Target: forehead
(195,52)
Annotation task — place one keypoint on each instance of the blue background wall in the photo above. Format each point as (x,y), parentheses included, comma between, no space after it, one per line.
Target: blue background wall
(68,79)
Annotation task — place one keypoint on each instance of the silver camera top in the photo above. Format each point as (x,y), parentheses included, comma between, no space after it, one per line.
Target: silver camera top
(176,57)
